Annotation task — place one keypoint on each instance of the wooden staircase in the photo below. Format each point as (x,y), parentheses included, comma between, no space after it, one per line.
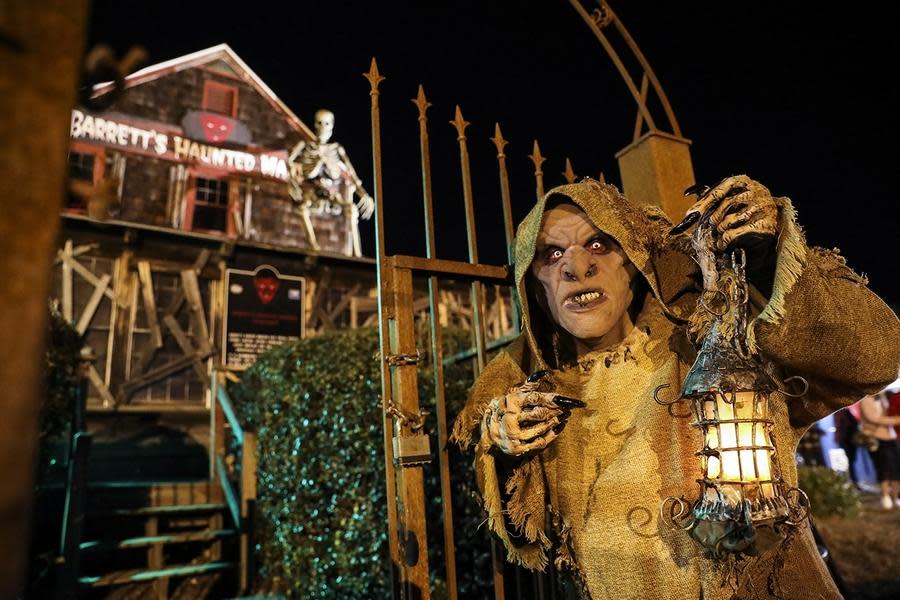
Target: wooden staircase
(182,540)
(155,537)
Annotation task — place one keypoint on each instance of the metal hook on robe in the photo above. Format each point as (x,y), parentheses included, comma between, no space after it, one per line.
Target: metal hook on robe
(796,395)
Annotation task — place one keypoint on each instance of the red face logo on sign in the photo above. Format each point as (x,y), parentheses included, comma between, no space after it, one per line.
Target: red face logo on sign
(216,128)
(266,288)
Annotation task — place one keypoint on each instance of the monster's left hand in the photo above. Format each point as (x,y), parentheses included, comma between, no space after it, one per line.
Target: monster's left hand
(736,209)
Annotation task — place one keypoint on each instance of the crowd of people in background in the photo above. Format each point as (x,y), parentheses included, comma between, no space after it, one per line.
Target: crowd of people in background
(871,425)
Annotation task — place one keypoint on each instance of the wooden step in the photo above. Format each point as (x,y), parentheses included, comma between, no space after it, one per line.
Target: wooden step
(177,538)
(136,575)
(125,494)
(163,511)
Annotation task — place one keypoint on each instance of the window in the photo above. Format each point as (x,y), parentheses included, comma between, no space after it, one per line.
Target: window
(220,98)
(81,166)
(210,204)
(86,166)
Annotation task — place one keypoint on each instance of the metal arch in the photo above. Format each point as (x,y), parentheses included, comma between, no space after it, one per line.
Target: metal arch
(608,16)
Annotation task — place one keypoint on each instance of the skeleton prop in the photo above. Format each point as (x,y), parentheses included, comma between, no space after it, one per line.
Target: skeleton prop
(321,173)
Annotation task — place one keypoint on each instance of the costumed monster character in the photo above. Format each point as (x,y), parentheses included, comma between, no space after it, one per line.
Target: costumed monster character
(609,302)
(321,173)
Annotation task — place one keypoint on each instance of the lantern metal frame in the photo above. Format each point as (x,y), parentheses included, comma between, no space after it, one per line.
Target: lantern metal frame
(753,512)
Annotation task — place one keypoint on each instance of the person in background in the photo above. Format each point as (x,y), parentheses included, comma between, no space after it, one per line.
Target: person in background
(876,423)
(845,428)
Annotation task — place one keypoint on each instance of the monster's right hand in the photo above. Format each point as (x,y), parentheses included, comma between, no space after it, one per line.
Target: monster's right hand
(524,419)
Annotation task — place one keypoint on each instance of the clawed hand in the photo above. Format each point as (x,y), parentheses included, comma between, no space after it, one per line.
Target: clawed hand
(735,208)
(525,419)
(366,207)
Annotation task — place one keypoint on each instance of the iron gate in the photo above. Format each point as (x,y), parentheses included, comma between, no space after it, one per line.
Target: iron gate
(406,445)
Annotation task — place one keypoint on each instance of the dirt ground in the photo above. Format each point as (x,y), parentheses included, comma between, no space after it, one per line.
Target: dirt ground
(866,550)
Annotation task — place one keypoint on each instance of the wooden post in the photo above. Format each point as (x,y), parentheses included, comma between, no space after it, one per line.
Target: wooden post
(156,560)
(410,479)
(248,499)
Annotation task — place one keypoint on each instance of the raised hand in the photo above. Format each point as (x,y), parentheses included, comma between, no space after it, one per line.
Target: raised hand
(736,208)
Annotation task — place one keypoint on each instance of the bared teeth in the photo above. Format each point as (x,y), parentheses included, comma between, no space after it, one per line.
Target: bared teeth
(586,297)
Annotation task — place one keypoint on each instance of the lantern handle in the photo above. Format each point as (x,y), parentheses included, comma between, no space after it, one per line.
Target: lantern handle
(793,395)
(705,306)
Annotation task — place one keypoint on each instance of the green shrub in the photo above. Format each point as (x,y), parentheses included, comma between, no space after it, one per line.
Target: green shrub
(830,492)
(321,522)
(60,387)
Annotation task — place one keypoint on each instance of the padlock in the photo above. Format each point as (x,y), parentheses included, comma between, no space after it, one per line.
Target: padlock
(412,449)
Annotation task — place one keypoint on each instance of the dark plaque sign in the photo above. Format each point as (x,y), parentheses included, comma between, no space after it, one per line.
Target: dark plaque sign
(263,309)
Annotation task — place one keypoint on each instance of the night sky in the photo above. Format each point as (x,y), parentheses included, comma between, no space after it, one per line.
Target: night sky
(801,98)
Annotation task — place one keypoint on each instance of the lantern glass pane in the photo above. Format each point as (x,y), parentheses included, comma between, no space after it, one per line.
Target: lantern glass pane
(713,468)
(709,409)
(712,437)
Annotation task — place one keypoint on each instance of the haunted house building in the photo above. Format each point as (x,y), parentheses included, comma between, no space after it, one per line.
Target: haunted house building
(177,203)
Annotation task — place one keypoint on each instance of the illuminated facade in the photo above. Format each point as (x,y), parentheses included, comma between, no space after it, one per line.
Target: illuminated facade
(197,144)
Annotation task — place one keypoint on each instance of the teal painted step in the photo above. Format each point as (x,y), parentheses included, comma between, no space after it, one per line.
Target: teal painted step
(136,575)
(146,511)
(137,542)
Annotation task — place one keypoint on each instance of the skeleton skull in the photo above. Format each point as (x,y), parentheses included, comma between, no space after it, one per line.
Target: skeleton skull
(324,125)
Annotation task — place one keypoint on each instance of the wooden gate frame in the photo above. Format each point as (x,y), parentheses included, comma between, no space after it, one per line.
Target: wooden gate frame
(406,447)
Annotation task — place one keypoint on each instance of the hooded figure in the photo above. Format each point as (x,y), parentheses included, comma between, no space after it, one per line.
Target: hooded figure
(590,499)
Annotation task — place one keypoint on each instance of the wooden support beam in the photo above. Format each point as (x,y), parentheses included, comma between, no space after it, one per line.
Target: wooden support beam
(149,297)
(85,273)
(76,252)
(88,313)
(335,312)
(195,300)
(100,386)
(130,387)
(437,266)
(325,318)
(186,346)
(320,288)
(66,291)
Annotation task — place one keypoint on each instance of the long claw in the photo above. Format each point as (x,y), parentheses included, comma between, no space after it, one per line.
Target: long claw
(568,403)
(702,191)
(537,376)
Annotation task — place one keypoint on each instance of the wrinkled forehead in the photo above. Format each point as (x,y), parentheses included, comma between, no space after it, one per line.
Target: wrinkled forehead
(565,221)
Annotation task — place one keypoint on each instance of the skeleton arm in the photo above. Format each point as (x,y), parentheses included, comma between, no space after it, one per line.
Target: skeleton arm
(366,203)
(296,171)
(297,151)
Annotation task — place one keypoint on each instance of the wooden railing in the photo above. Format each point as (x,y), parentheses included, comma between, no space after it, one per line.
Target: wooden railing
(238,480)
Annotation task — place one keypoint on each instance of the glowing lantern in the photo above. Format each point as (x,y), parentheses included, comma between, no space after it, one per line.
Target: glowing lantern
(744,505)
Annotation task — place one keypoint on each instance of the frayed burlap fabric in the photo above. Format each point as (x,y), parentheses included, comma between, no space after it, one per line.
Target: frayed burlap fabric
(590,501)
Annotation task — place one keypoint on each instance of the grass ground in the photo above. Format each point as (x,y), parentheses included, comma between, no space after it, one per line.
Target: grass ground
(866,550)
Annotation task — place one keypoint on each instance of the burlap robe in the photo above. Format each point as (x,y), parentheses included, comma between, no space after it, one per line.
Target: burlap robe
(590,501)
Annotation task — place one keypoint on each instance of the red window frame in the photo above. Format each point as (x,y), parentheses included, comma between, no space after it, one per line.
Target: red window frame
(211,87)
(191,201)
(99,154)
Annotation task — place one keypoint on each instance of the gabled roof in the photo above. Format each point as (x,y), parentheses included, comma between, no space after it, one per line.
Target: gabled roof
(224,53)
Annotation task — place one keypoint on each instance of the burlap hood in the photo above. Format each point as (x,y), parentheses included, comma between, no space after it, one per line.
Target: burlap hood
(642,232)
